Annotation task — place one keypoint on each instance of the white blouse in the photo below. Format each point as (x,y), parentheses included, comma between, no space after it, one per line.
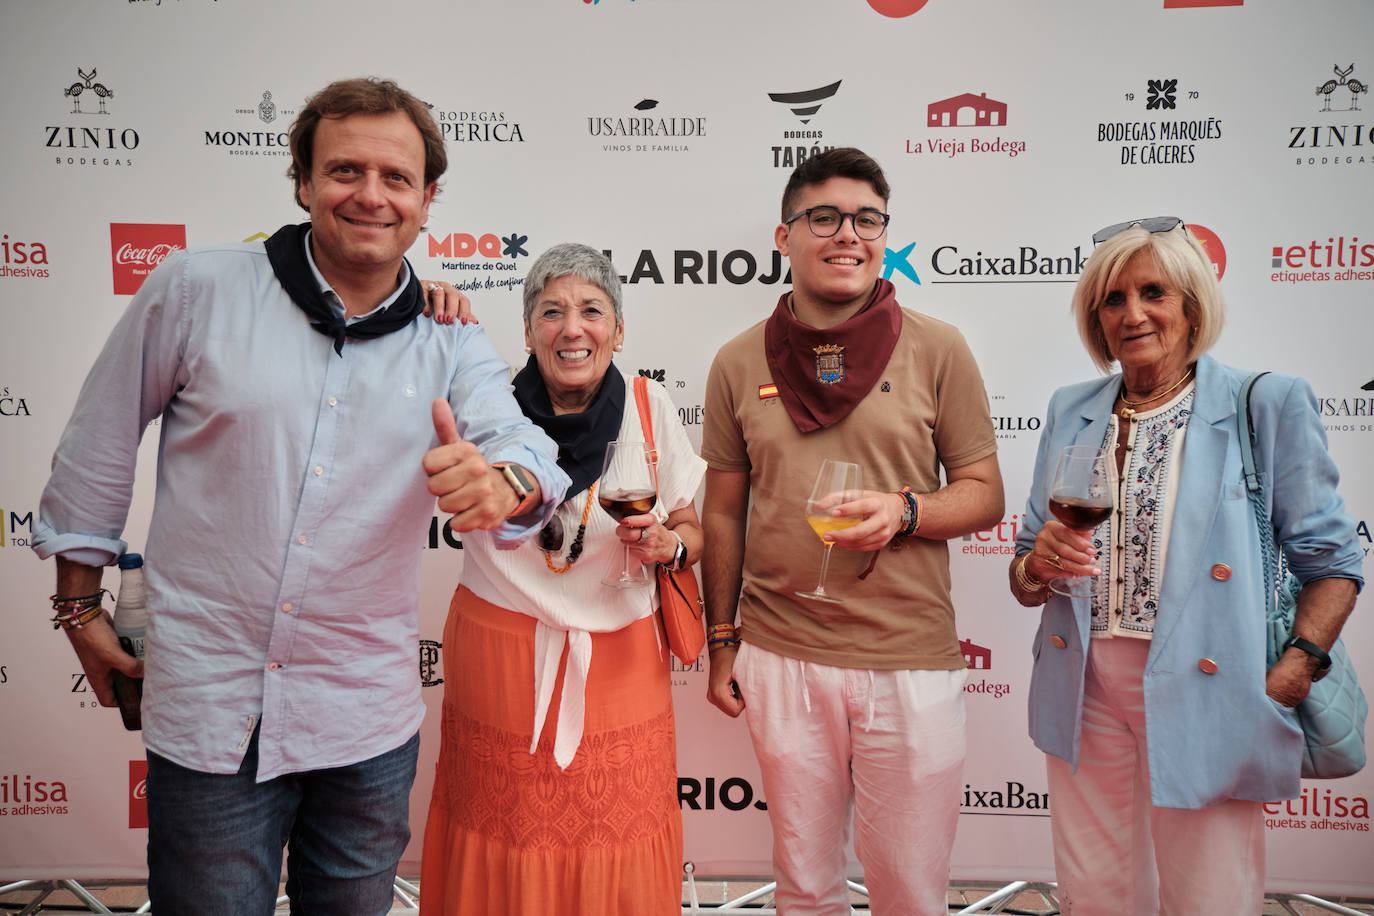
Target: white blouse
(570,607)
(1126,596)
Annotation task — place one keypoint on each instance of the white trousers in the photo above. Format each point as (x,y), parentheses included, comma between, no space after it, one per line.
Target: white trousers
(887,744)
(1114,851)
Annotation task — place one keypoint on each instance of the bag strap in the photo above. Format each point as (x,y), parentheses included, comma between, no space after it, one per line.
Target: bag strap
(646,421)
(1253,484)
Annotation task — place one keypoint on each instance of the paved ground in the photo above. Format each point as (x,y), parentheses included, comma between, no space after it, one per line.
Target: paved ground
(126,898)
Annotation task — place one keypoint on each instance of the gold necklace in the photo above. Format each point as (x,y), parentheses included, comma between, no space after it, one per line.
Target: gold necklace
(575,550)
(1128,411)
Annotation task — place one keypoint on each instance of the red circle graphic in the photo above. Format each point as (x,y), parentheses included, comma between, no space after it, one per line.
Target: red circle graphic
(896,9)
(1211,243)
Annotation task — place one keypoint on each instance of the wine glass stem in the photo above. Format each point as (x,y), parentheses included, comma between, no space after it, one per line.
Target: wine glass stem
(825,565)
(625,562)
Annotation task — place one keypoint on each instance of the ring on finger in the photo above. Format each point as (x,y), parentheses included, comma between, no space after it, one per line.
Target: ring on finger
(1053,560)
(642,532)
(433,287)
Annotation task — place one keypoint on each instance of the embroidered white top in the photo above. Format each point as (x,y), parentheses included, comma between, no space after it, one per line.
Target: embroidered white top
(1127,593)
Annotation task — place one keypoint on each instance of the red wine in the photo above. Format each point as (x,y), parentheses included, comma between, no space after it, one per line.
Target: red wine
(623,503)
(1079,512)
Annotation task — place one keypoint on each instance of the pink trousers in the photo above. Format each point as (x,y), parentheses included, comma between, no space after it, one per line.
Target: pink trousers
(1114,851)
(886,745)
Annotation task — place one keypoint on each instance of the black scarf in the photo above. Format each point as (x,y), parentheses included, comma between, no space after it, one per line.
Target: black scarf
(581,437)
(286,252)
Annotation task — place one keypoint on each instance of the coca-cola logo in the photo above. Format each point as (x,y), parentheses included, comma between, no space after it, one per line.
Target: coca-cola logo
(140,790)
(137,248)
(138,794)
(147,257)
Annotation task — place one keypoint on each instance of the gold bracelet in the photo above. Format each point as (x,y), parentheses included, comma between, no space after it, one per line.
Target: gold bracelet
(1026,579)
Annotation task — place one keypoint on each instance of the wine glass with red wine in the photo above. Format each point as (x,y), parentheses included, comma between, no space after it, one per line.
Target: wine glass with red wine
(627,488)
(1080,497)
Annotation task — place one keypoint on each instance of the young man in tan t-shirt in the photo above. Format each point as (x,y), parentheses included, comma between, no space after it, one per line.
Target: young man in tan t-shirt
(857,703)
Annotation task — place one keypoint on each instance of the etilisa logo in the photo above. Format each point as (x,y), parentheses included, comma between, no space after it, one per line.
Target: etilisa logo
(23,259)
(23,795)
(800,143)
(12,405)
(646,130)
(496,256)
(946,117)
(1147,132)
(88,138)
(477,126)
(137,248)
(256,131)
(138,794)
(1336,132)
(1335,259)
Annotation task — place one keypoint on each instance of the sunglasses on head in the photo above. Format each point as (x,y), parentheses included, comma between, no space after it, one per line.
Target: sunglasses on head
(1149,224)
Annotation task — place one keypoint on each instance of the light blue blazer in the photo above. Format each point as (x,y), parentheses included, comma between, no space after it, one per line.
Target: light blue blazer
(1210,737)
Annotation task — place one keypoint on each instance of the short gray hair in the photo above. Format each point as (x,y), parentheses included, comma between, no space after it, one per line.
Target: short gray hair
(577,260)
(1184,263)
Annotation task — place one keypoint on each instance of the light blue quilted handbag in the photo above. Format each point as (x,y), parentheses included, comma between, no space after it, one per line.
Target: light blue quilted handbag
(1332,717)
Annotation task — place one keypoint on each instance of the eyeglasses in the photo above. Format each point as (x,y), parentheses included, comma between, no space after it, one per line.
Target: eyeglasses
(868,224)
(1149,224)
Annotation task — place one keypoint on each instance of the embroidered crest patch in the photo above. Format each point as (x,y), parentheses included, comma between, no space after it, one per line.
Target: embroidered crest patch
(829,364)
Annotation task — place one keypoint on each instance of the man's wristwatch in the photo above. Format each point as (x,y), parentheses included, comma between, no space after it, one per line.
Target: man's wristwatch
(1314,650)
(522,483)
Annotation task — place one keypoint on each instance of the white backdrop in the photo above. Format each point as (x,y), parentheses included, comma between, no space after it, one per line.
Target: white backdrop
(1101,112)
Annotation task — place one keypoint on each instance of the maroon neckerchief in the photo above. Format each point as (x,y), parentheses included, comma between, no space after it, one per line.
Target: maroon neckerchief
(821,374)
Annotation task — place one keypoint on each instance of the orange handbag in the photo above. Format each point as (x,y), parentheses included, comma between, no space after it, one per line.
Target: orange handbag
(679,595)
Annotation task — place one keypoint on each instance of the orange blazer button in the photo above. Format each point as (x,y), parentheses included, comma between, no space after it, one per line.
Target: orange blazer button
(1207,666)
(1058,642)
(1221,572)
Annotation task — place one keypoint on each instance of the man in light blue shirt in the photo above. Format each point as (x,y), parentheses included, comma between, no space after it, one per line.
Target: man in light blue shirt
(298,394)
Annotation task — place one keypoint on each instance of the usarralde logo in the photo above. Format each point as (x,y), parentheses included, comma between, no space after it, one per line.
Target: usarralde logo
(137,248)
(646,133)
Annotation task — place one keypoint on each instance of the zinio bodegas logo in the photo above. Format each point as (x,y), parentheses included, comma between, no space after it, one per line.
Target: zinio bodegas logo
(1345,136)
(82,142)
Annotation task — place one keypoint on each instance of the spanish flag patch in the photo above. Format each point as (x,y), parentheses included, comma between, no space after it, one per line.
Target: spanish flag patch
(768,391)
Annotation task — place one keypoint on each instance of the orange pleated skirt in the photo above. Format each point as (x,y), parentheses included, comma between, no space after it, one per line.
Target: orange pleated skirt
(509,833)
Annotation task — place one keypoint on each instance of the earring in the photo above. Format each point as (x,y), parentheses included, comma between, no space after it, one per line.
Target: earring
(528,350)
(619,347)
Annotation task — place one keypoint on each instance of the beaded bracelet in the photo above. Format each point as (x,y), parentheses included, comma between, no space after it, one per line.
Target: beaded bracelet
(721,631)
(913,505)
(77,619)
(82,601)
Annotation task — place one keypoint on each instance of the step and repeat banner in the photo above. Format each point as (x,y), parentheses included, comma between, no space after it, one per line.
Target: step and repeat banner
(662,131)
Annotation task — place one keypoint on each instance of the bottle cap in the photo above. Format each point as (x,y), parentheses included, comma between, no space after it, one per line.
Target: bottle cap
(130,560)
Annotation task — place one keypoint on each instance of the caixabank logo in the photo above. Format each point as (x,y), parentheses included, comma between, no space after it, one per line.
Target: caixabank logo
(1331,130)
(647,129)
(258,129)
(136,249)
(802,135)
(484,260)
(90,133)
(966,124)
(1161,122)
(23,258)
(1010,798)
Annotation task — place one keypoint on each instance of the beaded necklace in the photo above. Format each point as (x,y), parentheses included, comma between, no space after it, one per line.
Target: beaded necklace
(575,550)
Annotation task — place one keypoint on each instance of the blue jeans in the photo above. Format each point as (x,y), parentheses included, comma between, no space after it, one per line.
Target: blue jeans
(215,841)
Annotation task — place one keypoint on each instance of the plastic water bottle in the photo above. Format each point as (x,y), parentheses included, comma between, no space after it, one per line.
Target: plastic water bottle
(130,625)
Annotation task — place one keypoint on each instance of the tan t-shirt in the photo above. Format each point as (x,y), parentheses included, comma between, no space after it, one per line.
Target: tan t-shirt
(929,408)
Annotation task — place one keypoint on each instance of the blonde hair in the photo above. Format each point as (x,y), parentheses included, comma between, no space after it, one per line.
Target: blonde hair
(1184,263)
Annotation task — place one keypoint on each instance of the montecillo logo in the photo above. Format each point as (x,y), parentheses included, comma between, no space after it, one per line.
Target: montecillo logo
(254,141)
(805,104)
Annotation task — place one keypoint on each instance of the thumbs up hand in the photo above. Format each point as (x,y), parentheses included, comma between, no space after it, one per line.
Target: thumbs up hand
(475,493)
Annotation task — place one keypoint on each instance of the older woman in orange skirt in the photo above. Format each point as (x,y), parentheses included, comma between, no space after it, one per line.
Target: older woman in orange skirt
(556,786)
